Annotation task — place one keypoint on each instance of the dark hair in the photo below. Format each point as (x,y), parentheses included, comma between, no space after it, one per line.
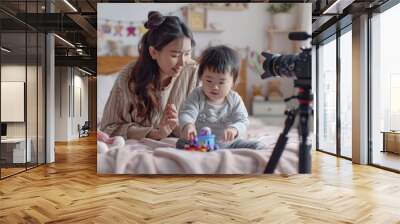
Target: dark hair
(145,73)
(220,59)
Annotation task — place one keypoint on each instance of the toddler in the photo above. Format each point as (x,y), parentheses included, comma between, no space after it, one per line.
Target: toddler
(215,104)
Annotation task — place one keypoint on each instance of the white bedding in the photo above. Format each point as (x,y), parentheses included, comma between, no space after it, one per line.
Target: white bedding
(148,156)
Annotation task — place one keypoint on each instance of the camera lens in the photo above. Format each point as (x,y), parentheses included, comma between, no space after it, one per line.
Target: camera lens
(298,66)
(278,65)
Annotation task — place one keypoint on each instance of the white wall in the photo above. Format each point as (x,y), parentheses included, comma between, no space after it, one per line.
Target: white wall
(241,29)
(61,103)
(104,86)
(129,12)
(235,24)
(85,98)
(66,119)
(13,73)
(81,83)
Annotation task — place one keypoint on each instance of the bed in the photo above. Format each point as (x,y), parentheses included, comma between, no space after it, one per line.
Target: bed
(148,156)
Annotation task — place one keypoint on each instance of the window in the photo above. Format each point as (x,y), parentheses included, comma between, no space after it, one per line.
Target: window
(327,97)
(22,66)
(385,85)
(346,75)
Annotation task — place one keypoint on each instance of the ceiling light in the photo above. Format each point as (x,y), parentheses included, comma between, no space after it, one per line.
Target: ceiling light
(338,6)
(70,5)
(65,41)
(79,51)
(5,49)
(331,7)
(84,71)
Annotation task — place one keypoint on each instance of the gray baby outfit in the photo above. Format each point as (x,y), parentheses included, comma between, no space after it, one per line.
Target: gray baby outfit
(232,113)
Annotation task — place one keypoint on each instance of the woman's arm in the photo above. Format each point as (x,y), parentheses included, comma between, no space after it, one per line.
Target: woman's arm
(103,137)
(118,119)
(183,86)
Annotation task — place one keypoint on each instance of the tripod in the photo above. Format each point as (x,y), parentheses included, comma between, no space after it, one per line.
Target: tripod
(304,97)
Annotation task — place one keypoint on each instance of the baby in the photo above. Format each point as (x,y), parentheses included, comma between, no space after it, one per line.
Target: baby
(215,104)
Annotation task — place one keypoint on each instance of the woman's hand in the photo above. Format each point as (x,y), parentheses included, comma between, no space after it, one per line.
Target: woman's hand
(169,121)
(230,134)
(189,131)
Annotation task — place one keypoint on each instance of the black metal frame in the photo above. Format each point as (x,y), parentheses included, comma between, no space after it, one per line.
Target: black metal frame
(44,76)
(340,31)
(338,98)
(369,105)
(316,97)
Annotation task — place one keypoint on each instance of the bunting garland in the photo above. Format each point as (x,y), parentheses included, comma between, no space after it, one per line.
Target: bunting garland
(123,28)
(131,30)
(119,37)
(106,27)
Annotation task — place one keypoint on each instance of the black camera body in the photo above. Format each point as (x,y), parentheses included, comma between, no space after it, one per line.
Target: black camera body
(298,65)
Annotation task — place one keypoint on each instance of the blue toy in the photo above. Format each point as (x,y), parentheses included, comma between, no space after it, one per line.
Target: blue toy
(204,141)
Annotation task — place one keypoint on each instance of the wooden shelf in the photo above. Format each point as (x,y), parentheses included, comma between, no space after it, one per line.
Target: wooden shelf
(206,31)
(111,64)
(241,87)
(223,8)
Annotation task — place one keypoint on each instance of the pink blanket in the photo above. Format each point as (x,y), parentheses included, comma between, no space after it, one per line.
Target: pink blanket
(148,156)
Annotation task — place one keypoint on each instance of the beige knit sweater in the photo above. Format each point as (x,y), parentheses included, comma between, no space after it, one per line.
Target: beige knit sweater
(118,121)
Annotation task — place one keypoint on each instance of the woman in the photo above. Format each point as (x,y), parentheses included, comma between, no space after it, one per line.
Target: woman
(148,93)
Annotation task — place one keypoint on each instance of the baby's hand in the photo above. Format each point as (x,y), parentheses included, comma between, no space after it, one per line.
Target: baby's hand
(189,131)
(230,134)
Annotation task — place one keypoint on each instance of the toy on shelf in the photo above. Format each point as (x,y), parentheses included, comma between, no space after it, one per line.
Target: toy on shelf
(204,142)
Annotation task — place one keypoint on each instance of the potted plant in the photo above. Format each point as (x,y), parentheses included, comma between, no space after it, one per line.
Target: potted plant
(281,15)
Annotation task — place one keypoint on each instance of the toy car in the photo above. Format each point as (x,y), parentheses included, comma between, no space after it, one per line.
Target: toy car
(203,142)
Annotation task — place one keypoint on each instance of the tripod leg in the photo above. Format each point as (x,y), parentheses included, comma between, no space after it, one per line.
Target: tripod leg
(304,147)
(304,158)
(281,143)
(276,154)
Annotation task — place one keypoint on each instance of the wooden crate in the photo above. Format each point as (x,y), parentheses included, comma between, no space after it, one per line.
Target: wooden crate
(391,142)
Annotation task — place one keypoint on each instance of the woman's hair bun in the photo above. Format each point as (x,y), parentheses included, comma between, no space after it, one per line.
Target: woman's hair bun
(155,19)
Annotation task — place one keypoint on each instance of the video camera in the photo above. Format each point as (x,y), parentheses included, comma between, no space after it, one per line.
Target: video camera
(298,66)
